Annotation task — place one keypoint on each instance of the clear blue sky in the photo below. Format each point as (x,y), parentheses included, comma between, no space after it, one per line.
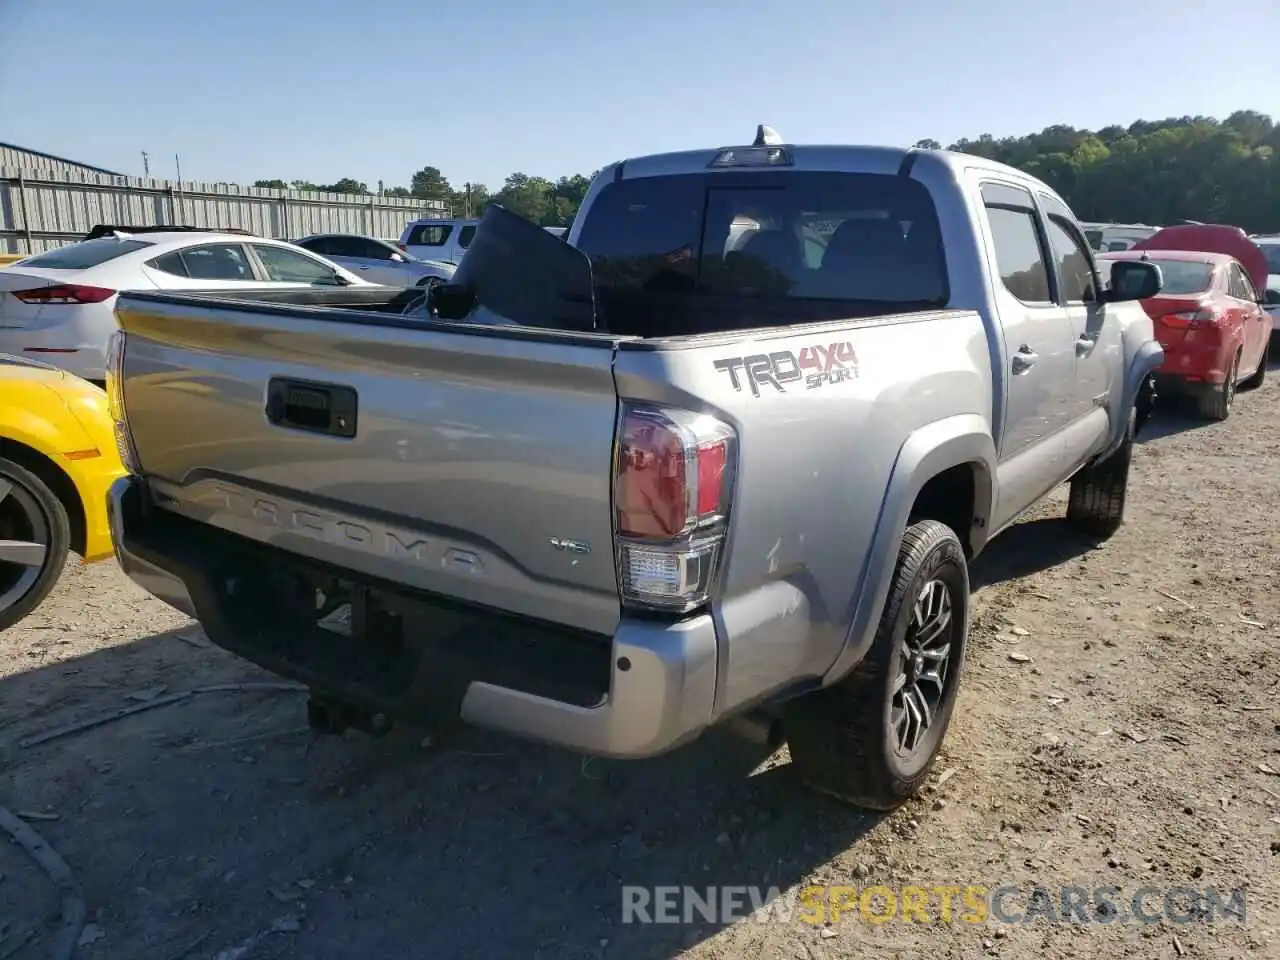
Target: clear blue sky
(319,90)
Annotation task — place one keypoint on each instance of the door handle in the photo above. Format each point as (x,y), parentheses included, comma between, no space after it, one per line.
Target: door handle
(1024,359)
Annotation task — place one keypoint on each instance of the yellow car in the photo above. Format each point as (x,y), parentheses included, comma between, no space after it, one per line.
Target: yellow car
(57,458)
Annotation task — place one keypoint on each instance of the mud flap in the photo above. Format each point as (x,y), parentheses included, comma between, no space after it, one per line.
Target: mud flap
(1145,402)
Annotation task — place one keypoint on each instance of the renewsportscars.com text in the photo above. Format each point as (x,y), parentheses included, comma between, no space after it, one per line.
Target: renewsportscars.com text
(940,903)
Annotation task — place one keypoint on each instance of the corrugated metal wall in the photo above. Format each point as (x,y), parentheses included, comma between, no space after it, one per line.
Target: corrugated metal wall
(45,205)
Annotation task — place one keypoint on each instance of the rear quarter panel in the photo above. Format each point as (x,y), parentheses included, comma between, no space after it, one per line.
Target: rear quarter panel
(816,468)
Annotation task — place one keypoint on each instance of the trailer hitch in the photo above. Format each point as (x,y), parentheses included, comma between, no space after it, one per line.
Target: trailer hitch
(329,715)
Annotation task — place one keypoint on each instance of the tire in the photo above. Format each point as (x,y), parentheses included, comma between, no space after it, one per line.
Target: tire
(1259,375)
(1216,402)
(31,517)
(845,739)
(1095,506)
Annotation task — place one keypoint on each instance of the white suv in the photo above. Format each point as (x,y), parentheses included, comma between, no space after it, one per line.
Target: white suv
(443,240)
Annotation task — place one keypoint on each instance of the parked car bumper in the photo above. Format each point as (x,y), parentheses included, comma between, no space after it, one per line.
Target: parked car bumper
(73,339)
(1192,366)
(654,683)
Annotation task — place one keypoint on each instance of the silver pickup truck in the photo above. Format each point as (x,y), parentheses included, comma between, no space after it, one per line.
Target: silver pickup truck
(725,454)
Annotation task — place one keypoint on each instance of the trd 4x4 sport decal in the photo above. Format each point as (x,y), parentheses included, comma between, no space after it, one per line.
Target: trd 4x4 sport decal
(816,366)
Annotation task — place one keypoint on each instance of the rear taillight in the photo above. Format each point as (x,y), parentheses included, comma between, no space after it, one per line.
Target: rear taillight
(1204,317)
(65,293)
(672,488)
(115,402)
(403,247)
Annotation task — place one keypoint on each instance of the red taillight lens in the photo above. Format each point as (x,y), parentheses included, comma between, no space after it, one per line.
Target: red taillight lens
(403,247)
(713,460)
(649,485)
(670,477)
(1205,316)
(65,293)
(671,500)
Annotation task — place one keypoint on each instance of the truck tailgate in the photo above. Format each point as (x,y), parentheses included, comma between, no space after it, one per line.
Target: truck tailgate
(477,464)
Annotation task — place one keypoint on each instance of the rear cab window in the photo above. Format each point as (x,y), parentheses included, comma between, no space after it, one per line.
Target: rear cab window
(700,253)
(82,256)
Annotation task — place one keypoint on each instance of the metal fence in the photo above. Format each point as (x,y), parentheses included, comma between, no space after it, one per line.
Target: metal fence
(44,208)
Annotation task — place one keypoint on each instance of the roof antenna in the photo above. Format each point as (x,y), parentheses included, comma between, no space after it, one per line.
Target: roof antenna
(766,136)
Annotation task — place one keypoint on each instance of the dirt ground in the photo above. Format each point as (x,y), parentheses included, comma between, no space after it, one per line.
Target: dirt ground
(1119,726)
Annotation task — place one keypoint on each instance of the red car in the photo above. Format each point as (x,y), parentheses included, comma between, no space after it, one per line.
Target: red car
(1207,317)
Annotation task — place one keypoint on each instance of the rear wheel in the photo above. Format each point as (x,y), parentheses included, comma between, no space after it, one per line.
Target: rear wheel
(871,738)
(34,538)
(1216,402)
(1259,375)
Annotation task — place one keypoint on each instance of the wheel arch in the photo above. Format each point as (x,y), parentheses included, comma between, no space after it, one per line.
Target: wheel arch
(56,479)
(948,468)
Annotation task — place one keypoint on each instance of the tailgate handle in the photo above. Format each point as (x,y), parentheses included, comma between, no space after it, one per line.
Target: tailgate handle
(327,408)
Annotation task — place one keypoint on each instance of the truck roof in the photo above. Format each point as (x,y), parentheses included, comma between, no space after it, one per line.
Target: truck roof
(862,158)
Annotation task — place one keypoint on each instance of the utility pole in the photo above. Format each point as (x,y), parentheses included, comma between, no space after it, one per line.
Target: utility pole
(146,164)
(467,208)
(178,166)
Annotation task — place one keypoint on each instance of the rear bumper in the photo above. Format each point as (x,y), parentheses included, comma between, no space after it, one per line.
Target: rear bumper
(649,688)
(1195,365)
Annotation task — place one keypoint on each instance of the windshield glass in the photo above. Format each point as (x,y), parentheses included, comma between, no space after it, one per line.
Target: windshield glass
(1184,278)
(1272,252)
(81,256)
(701,252)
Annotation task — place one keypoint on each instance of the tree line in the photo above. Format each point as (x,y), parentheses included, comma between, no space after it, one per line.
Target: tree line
(546,202)
(1156,172)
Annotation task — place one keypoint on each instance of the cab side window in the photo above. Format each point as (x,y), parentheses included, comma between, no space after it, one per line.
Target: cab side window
(1020,247)
(1075,266)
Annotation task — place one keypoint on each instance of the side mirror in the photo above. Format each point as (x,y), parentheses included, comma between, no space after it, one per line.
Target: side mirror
(1271,298)
(397,258)
(1134,280)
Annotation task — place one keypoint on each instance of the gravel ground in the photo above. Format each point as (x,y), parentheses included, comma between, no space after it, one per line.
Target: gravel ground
(1119,726)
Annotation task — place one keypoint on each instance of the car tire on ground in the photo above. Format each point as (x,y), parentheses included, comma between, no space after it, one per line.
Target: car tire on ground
(1260,375)
(1095,505)
(34,539)
(871,738)
(1216,402)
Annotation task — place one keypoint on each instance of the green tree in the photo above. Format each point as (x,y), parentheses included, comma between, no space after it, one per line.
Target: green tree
(1156,171)
(271,184)
(430,184)
(530,197)
(345,185)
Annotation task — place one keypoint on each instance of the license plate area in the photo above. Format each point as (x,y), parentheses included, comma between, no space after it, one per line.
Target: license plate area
(404,651)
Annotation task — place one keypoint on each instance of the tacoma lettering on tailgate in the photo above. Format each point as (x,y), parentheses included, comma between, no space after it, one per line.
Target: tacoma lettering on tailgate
(816,366)
(376,539)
